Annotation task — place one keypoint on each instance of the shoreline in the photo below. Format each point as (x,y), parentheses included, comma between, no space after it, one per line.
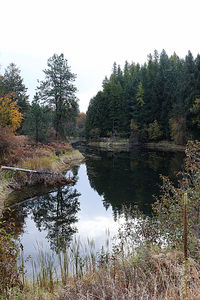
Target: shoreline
(63,162)
(126,145)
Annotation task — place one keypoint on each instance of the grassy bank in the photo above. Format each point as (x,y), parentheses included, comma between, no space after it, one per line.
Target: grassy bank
(145,272)
(153,257)
(55,157)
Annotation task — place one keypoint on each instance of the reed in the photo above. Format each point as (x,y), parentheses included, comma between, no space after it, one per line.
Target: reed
(185,225)
(44,270)
(84,273)
(72,262)
(64,266)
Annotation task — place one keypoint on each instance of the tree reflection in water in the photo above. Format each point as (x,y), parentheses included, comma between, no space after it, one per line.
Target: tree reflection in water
(128,179)
(55,212)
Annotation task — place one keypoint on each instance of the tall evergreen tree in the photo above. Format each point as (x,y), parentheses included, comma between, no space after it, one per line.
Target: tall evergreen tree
(189,81)
(163,89)
(58,91)
(13,83)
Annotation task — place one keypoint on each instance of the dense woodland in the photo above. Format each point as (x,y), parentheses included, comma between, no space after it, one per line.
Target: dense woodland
(155,101)
(159,100)
(52,115)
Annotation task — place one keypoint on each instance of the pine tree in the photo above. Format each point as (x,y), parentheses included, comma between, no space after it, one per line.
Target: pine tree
(163,89)
(58,91)
(13,83)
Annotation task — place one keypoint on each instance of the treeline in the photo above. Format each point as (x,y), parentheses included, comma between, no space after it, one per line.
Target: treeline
(154,101)
(54,111)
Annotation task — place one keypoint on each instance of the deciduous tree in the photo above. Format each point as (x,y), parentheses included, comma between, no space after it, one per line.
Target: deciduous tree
(9,113)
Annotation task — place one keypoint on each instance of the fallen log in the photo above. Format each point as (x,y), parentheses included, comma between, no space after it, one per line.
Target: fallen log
(28,170)
(34,177)
(18,169)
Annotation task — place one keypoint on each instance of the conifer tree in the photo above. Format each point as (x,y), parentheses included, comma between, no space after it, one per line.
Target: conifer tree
(163,89)
(38,121)
(13,83)
(58,91)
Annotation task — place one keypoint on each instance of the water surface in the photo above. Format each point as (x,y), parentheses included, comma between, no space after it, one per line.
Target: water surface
(94,203)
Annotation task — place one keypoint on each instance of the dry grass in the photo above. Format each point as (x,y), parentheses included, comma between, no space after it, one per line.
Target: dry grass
(5,178)
(143,276)
(156,277)
(37,163)
(48,160)
(147,272)
(55,156)
(21,150)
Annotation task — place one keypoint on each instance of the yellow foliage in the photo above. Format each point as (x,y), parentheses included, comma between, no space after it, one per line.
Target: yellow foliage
(154,131)
(9,113)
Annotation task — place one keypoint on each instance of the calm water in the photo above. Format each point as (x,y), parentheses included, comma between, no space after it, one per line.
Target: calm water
(94,203)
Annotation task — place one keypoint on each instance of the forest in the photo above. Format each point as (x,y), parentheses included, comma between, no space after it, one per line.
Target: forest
(52,114)
(156,255)
(159,100)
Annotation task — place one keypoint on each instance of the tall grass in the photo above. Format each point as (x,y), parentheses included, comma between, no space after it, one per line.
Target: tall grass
(50,161)
(37,163)
(148,274)
(80,272)
(73,262)
(5,178)
(123,272)
(185,225)
(10,273)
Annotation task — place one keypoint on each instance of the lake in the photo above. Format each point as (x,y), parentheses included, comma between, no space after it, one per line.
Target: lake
(93,204)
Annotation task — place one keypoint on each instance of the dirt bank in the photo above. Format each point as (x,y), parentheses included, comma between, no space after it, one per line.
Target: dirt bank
(50,160)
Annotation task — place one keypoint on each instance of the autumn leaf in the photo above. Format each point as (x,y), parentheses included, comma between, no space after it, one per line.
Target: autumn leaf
(9,113)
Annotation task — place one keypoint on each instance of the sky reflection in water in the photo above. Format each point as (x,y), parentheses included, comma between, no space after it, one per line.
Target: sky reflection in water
(95,202)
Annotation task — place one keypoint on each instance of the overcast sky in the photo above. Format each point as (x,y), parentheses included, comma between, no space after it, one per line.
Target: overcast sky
(93,34)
